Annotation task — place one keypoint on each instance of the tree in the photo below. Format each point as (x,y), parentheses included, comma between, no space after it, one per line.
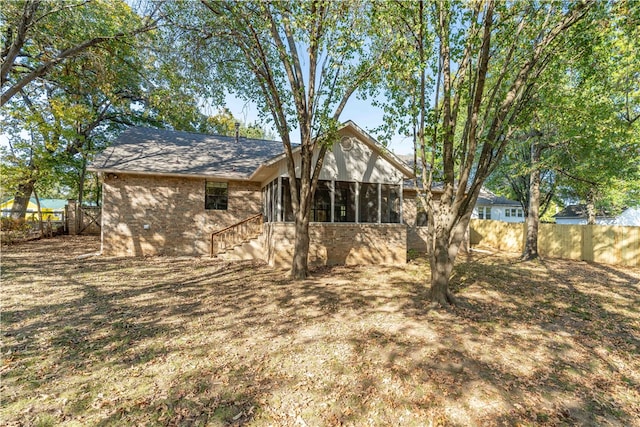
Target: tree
(582,116)
(224,123)
(60,120)
(601,167)
(484,60)
(301,61)
(39,36)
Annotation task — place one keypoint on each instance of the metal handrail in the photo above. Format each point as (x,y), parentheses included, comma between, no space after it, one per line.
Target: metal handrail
(233,227)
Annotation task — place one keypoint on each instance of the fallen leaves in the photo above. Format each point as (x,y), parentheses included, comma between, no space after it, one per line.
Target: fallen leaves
(181,341)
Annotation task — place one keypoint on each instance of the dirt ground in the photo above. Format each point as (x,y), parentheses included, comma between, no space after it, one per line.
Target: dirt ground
(91,340)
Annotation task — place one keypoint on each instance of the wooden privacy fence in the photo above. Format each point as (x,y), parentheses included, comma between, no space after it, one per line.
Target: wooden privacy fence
(606,244)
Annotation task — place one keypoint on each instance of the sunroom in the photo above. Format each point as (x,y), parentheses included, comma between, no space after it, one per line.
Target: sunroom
(337,202)
(356,215)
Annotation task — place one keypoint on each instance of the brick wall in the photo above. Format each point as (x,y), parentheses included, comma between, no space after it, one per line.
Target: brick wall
(416,236)
(338,244)
(150,215)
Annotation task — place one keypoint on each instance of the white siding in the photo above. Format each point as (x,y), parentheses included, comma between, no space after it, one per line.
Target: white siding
(629,217)
(360,164)
(498,214)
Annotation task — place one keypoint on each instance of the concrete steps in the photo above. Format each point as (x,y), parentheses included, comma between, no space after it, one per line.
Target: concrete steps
(247,250)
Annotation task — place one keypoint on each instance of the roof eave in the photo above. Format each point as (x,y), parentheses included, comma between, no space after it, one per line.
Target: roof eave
(172,174)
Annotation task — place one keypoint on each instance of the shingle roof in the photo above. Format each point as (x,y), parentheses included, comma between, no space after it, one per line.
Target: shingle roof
(160,151)
(486,198)
(578,211)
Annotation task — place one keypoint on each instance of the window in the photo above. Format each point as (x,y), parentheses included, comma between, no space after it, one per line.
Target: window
(216,196)
(286,200)
(507,212)
(368,202)
(344,202)
(321,205)
(421,219)
(484,212)
(336,201)
(520,213)
(390,203)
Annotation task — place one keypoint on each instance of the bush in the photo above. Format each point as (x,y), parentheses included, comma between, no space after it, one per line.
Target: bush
(13,230)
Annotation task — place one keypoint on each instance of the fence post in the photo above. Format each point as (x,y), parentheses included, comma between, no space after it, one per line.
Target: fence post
(72,216)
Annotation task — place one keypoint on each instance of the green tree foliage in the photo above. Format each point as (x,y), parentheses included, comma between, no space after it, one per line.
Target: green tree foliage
(38,36)
(61,119)
(467,71)
(585,110)
(224,123)
(601,165)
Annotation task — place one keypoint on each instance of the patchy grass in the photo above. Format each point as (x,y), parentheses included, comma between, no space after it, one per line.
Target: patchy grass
(183,341)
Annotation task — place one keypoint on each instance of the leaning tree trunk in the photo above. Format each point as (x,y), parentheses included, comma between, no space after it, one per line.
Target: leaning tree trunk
(533,213)
(21,199)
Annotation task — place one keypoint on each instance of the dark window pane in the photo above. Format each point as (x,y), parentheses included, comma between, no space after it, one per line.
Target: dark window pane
(286,200)
(390,203)
(216,196)
(321,205)
(421,219)
(368,202)
(345,202)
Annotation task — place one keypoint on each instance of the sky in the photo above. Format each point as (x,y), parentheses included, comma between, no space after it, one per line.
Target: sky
(361,112)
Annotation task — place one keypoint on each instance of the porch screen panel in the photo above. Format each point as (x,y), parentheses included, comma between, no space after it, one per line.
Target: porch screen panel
(286,200)
(390,203)
(368,202)
(274,200)
(321,205)
(267,203)
(345,202)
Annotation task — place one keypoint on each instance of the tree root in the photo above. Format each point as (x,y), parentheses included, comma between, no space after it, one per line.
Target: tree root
(446,301)
(529,256)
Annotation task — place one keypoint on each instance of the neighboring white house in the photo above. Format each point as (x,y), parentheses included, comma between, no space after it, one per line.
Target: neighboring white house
(577,214)
(490,206)
(629,217)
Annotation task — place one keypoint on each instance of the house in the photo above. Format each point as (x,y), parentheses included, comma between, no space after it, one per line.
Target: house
(490,206)
(166,192)
(52,209)
(577,214)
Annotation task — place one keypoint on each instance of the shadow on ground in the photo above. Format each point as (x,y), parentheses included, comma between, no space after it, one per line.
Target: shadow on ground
(185,341)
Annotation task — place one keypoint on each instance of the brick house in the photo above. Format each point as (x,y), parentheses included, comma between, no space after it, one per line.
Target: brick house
(166,192)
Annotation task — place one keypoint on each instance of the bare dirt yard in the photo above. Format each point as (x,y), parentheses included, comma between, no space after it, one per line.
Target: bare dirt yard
(183,341)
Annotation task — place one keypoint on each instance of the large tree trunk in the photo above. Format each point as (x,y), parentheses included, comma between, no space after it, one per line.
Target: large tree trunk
(533,213)
(441,269)
(443,256)
(21,199)
(299,266)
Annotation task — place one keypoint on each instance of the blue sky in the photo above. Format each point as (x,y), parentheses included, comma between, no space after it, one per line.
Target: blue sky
(361,112)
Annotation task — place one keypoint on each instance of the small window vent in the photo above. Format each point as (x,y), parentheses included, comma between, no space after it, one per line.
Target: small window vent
(346,143)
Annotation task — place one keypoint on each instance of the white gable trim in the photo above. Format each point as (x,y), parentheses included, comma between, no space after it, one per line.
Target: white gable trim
(362,136)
